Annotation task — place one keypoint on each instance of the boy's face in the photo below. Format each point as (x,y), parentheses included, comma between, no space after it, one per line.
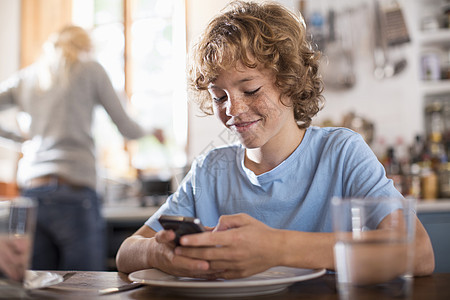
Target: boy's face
(247,101)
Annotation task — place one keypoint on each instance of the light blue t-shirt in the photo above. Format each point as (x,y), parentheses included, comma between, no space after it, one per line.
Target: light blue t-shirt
(295,195)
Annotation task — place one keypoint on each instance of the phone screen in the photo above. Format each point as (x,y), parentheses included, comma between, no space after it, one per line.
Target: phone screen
(181,225)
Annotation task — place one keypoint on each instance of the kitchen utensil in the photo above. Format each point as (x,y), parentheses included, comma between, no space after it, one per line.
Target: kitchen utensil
(390,34)
(122,288)
(68,275)
(338,70)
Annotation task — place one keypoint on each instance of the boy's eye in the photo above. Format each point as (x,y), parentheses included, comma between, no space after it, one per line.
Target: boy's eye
(219,99)
(252,92)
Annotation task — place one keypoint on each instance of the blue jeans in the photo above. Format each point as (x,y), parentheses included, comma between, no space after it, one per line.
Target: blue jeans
(70,230)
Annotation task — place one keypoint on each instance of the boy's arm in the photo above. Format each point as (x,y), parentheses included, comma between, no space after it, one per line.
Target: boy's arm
(134,251)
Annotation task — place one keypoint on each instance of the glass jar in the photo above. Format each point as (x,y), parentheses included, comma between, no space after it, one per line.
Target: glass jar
(444,180)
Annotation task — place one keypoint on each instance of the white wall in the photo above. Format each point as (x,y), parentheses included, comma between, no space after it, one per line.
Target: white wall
(9,63)
(9,37)
(203,131)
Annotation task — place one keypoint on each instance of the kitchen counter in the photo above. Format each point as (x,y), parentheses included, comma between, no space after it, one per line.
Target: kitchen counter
(128,213)
(435,217)
(131,211)
(122,220)
(439,205)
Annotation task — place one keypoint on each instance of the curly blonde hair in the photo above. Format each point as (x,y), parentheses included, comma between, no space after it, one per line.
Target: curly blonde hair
(255,33)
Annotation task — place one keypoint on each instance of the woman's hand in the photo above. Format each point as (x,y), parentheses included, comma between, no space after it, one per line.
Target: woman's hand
(239,246)
(159,135)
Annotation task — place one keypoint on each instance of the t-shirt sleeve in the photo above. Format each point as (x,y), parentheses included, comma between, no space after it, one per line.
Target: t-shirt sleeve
(365,177)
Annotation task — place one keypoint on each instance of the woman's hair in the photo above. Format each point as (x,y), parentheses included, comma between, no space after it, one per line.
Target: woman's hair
(259,34)
(62,51)
(72,41)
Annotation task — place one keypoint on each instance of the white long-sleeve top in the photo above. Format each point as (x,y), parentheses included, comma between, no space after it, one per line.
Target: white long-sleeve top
(61,140)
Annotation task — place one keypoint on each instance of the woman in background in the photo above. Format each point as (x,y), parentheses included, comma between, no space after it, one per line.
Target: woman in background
(60,92)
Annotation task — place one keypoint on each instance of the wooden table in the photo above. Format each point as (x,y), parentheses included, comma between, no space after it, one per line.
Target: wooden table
(85,285)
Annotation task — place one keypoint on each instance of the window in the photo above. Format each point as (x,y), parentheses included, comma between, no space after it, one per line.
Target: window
(142,46)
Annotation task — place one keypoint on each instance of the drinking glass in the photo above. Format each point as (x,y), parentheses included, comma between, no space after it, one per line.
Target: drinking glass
(17,227)
(371,260)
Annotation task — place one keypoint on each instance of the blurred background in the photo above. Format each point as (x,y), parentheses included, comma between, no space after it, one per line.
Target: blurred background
(386,69)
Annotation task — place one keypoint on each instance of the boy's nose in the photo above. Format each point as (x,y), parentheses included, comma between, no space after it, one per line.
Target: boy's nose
(236,106)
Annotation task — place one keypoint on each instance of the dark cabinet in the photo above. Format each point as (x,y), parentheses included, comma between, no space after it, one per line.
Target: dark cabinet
(437,225)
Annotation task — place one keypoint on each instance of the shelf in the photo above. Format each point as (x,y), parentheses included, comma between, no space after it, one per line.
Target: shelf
(435,206)
(436,87)
(435,37)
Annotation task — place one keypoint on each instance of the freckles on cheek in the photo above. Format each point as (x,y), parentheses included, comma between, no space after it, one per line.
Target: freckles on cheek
(274,109)
(266,110)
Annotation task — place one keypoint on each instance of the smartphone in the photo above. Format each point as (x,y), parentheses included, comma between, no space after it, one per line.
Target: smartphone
(181,225)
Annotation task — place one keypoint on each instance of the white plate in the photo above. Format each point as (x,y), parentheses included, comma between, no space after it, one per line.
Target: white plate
(271,281)
(41,279)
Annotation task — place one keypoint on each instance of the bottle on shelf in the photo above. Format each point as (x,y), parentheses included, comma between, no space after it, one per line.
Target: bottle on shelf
(414,188)
(416,150)
(444,181)
(393,169)
(430,66)
(429,181)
